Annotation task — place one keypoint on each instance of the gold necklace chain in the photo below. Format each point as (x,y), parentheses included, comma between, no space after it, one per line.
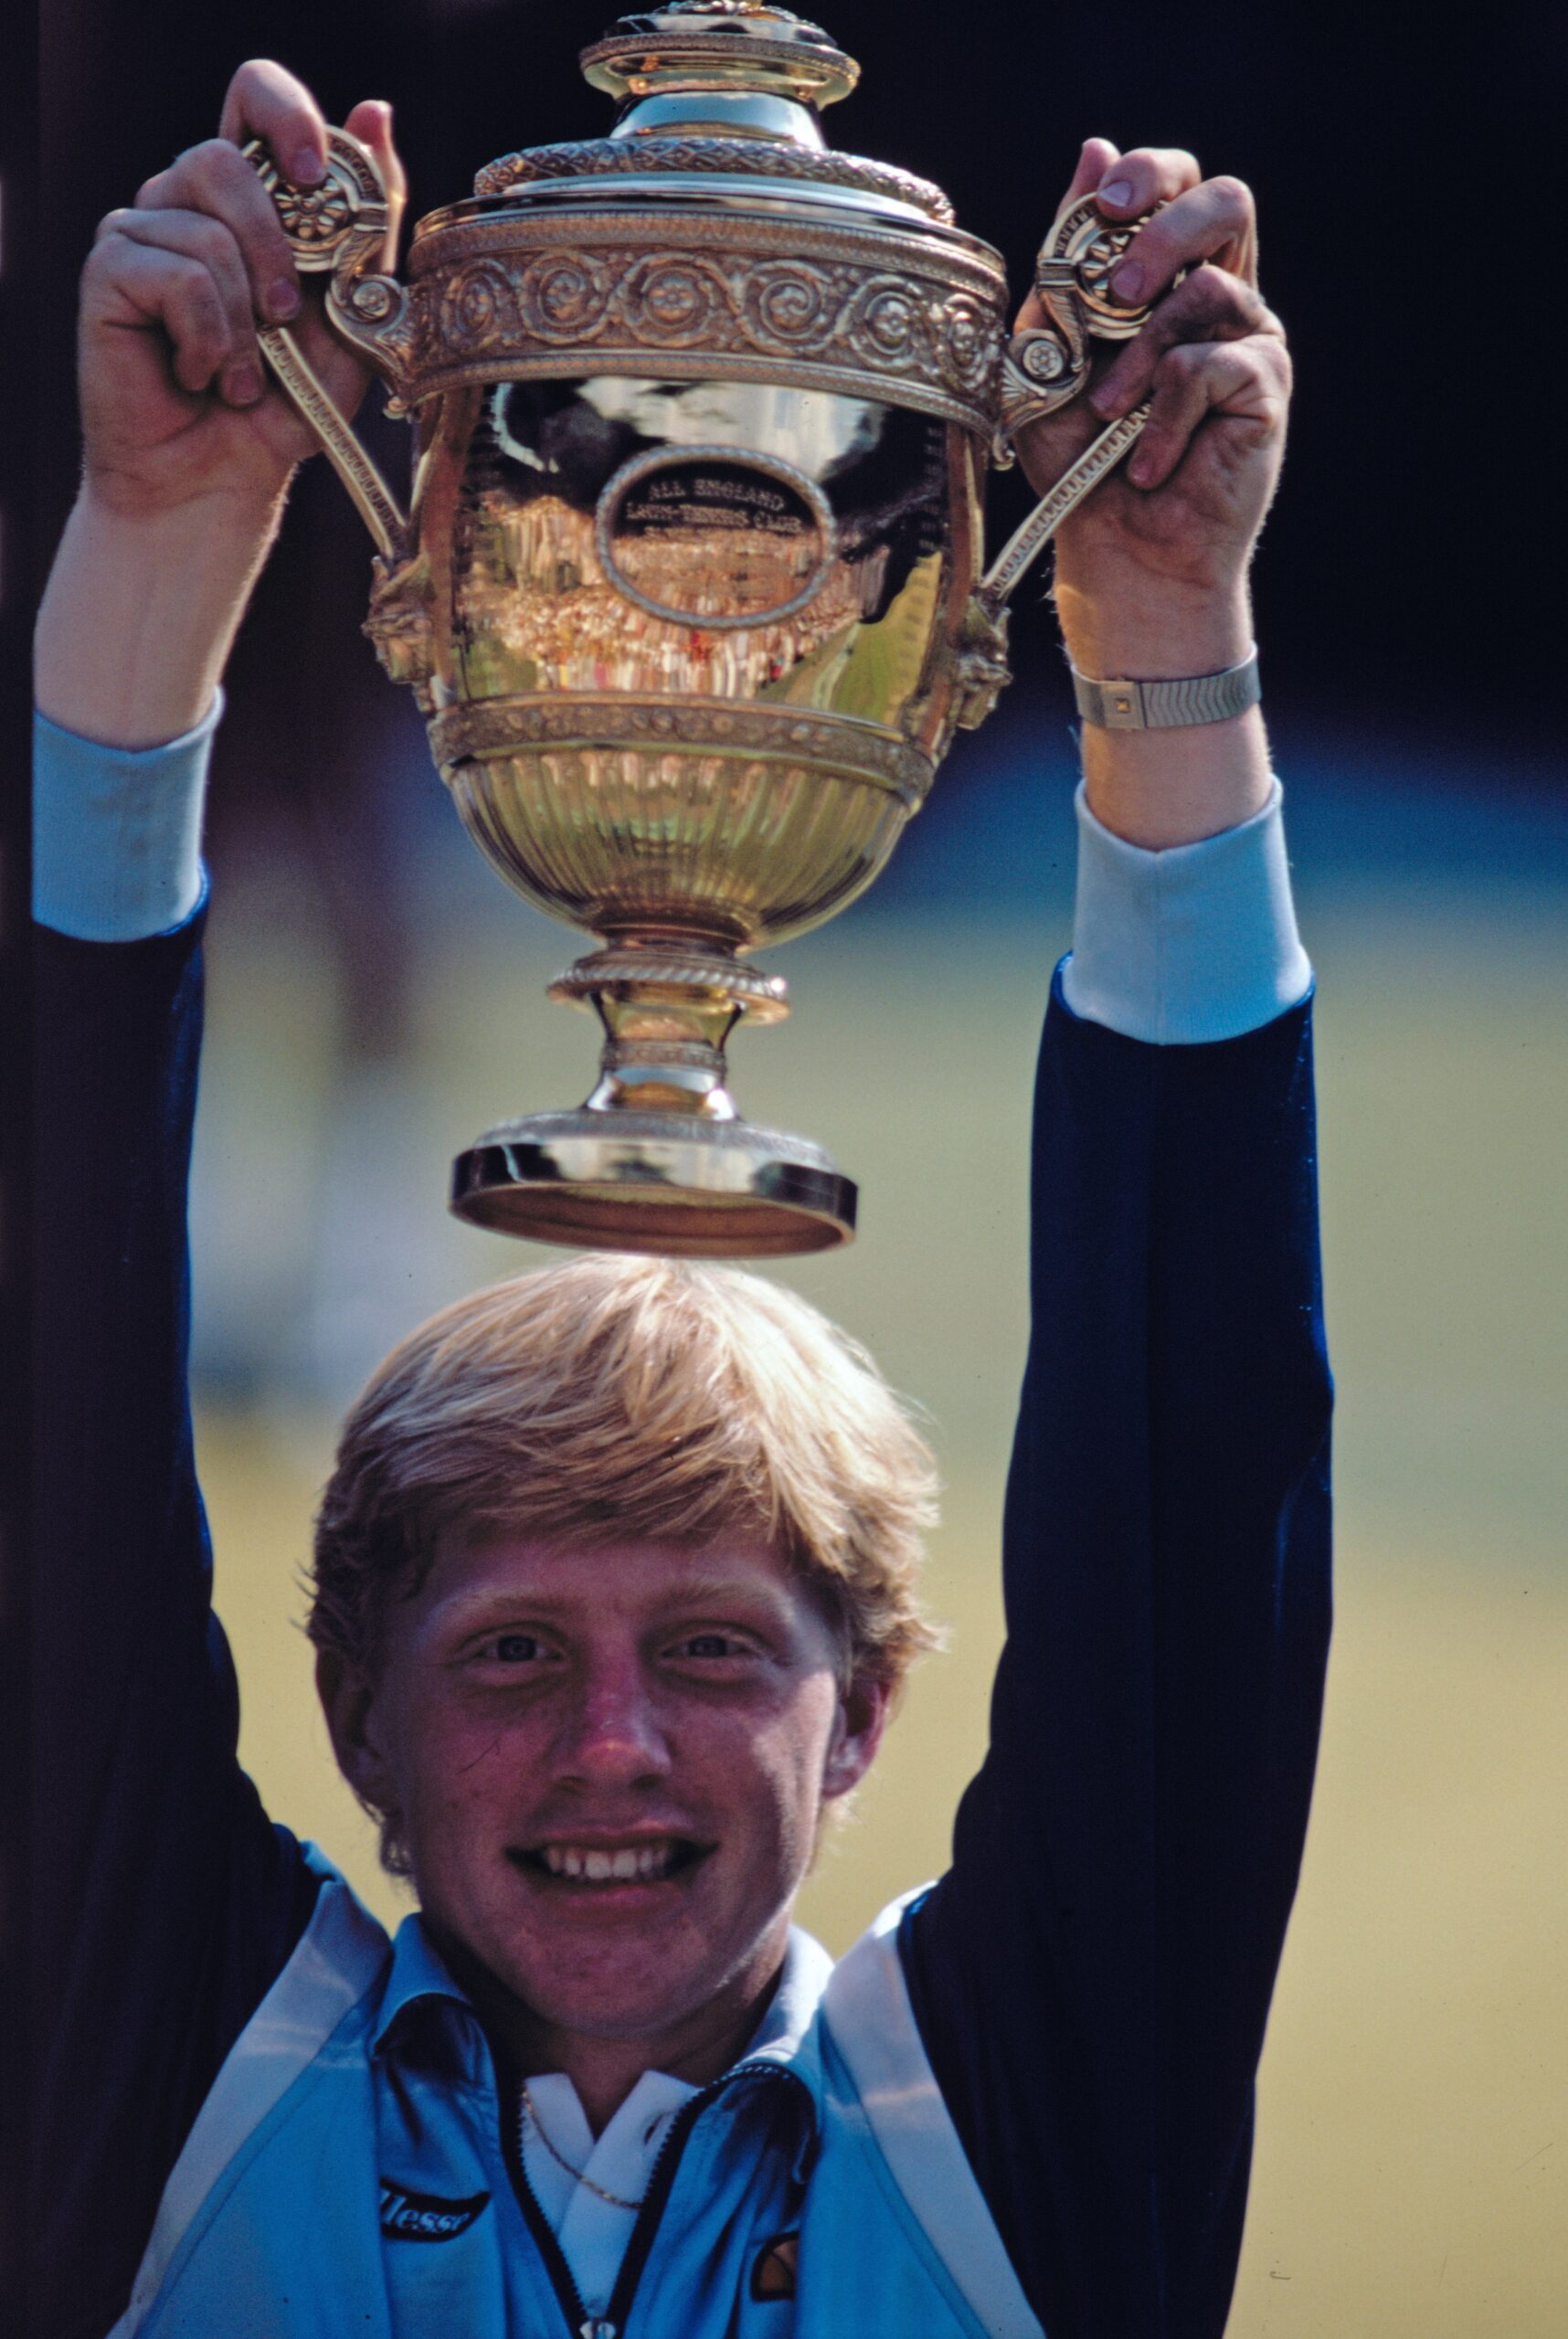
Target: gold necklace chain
(528,2110)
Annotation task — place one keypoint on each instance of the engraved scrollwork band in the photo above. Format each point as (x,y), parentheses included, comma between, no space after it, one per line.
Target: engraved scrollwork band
(878,315)
(839,743)
(740,157)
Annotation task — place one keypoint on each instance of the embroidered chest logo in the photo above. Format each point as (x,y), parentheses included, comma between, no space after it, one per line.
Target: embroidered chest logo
(773,2276)
(424,2216)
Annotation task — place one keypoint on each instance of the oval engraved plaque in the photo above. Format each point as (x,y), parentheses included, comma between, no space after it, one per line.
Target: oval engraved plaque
(713,537)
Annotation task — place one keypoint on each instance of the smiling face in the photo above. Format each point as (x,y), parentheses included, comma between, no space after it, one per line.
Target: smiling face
(606,1766)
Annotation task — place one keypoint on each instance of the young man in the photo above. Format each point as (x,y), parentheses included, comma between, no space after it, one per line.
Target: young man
(614,1575)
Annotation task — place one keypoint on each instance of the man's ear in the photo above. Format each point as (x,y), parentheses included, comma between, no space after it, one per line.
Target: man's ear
(356,1726)
(861,1717)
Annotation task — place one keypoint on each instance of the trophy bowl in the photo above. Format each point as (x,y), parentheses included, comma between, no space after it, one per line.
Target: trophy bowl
(690,586)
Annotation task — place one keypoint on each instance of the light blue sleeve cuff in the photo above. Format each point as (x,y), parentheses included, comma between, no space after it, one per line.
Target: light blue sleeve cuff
(117,832)
(1195,944)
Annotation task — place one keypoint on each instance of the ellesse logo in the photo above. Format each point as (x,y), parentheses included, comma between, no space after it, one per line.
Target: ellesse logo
(406,2216)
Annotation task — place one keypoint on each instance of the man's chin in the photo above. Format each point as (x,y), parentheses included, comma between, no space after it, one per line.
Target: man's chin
(631,1991)
(622,1959)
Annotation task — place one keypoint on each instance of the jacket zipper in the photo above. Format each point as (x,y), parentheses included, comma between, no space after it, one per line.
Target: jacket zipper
(579,2322)
(661,2179)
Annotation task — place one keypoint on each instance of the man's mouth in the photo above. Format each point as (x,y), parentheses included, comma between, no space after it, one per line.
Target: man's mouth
(650,1860)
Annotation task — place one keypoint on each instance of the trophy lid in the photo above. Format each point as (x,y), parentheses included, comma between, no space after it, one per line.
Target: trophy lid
(744,45)
(711,235)
(718,90)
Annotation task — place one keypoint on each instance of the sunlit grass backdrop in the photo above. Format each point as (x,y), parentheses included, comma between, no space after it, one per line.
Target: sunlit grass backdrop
(1412,2174)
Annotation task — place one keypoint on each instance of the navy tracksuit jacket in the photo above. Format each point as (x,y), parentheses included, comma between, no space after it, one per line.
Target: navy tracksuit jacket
(1091,1978)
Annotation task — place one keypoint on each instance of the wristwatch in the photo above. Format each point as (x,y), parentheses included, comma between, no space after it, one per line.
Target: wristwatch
(1160,707)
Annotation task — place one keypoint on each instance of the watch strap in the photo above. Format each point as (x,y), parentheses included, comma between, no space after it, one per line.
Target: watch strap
(1125,705)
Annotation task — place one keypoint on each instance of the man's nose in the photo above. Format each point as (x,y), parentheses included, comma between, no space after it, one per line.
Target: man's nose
(612,1734)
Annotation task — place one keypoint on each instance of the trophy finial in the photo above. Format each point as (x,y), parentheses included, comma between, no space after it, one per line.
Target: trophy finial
(743,48)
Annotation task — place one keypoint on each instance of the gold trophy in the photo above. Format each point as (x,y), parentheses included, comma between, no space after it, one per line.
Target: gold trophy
(692,585)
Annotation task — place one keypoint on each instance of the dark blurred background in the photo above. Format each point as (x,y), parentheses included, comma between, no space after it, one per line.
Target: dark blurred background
(1407,167)
(377,998)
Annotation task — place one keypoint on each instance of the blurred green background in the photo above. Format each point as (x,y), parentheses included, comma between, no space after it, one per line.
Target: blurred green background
(1412,2174)
(377,1000)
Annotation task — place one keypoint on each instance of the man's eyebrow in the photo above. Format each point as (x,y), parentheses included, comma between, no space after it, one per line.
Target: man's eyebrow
(715,1590)
(712,1588)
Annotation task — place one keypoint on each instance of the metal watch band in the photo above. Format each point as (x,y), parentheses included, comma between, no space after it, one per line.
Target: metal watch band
(1160,706)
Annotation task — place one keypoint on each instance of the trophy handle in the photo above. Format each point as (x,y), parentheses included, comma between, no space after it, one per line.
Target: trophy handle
(340,226)
(1045,368)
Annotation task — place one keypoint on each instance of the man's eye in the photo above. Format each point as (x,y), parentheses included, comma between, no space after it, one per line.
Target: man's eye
(711,1644)
(514,1649)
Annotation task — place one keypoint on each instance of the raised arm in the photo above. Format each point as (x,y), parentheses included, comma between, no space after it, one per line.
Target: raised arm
(163,1901)
(1092,1978)
(187,450)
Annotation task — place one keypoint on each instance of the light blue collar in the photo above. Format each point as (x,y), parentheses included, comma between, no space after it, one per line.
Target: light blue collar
(417,1973)
(787,2034)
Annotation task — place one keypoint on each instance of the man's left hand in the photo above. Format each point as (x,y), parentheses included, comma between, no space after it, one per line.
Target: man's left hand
(1152,565)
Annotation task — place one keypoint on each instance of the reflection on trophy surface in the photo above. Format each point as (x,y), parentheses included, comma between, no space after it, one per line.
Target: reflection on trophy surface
(691,587)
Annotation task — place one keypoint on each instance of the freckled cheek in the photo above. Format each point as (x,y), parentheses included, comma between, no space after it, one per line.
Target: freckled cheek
(468,1768)
(776,1771)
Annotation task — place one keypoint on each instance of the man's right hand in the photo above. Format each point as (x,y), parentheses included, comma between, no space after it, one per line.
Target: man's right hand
(175,400)
(187,446)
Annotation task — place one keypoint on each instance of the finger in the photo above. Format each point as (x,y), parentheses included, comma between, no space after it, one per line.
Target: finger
(216,179)
(1215,221)
(1245,380)
(152,286)
(1207,306)
(1134,182)
(1095,159)
(206,240)
(266,103)
(371,123)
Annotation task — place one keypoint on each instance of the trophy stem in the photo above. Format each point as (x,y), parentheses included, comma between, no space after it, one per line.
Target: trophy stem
(658,1159)
(662,1076)
(666,1016)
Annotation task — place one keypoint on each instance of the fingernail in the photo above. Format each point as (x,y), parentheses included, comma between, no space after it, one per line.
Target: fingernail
(284,299)
(1140,471)
(1128,281)
(1119,193)
(308,167)
(244,386)
(1107,399)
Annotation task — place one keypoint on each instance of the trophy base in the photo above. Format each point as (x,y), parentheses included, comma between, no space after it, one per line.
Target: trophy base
(674,1184)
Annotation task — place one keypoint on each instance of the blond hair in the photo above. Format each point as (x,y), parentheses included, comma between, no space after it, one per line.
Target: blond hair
(651,1399)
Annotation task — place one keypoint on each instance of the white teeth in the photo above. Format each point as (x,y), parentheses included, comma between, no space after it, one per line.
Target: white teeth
(632,1863)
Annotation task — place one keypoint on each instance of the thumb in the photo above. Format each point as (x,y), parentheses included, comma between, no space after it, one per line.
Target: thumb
(371,123)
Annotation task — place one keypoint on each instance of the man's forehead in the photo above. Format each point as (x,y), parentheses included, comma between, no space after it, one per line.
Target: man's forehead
(596,1570)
